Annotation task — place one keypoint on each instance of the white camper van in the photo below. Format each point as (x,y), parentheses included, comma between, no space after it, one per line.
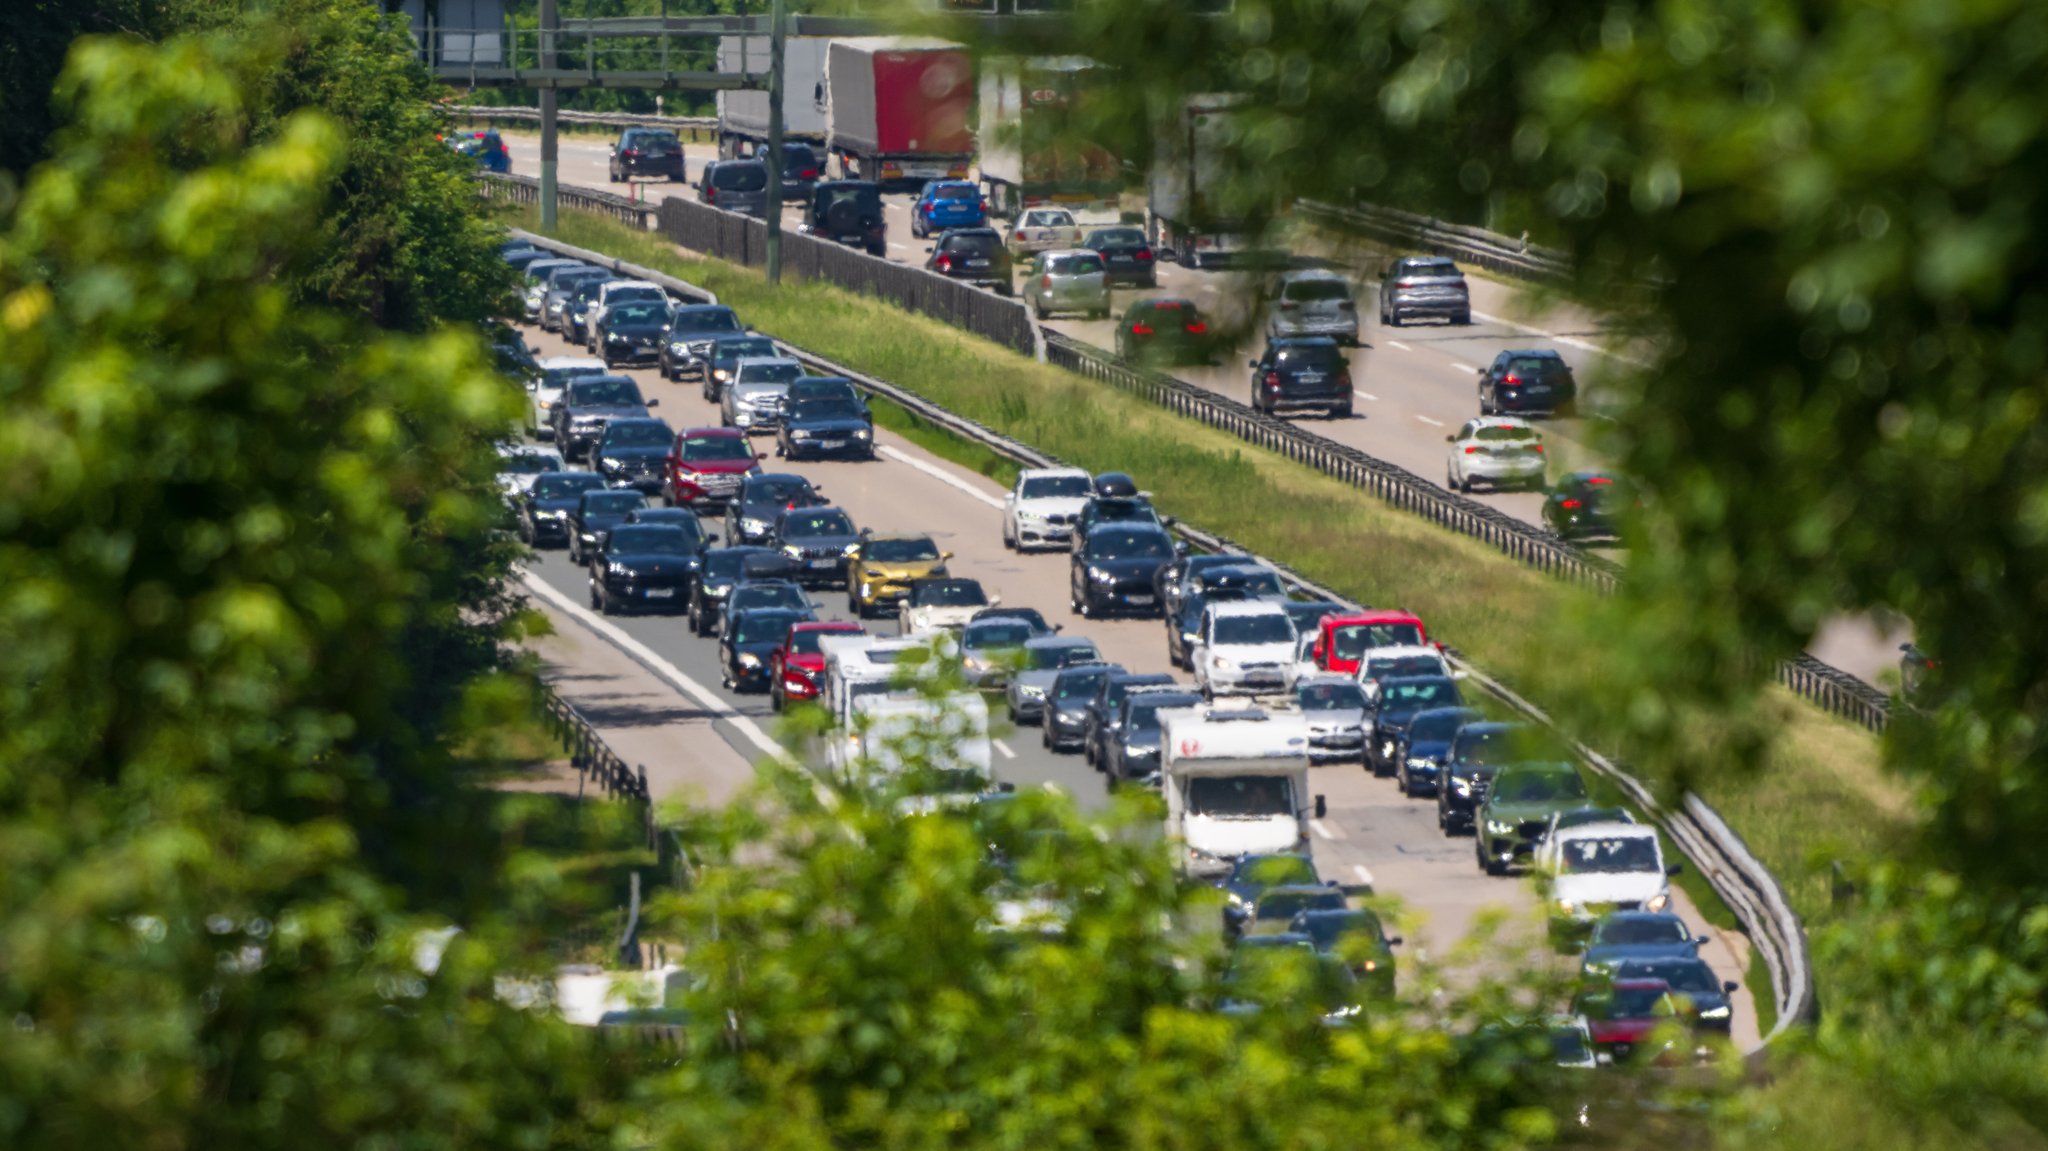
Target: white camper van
(1236,783)
(949,733)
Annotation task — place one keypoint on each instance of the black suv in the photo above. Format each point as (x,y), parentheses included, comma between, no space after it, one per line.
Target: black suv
(848,212)
(647,566)
(818,540)
(633,453)
(647,152)
(1308,372)
(1520,383)
(587,404)
(974,255)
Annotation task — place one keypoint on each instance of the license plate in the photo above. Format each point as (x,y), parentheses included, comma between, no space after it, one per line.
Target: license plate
(1138,599)
(831,445)
(977,263)
(1310,377)
(849,239)
(1262,677)
(1121,259)
(661,593)
(821,565)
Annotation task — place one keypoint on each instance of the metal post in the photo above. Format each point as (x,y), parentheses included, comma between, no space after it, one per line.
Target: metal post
(550,20)
(775,162)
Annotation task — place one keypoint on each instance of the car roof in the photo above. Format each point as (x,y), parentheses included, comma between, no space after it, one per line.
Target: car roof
(632,284)
(1500,422)
(556,362)
(1607,831)
(1055,641)
(1041,473)
(1301,342)
(1533,354)
(727,433)
(1236,607)
(1312,274)
(743,361)
(1377,615)
(1402,651)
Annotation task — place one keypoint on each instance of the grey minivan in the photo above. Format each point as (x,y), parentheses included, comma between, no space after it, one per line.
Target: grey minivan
(736,186)
(1314,302)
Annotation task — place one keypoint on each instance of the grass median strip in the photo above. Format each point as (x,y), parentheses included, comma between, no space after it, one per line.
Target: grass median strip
(1818,791)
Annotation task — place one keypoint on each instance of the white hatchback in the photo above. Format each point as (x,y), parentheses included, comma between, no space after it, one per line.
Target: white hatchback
(1044,229)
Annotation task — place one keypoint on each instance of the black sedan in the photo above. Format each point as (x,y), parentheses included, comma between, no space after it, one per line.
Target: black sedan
(597,512)
(746,646)
(643,566)
(545,506)
(1126,255)
(1586,505)
(818,540)
(587,404)
(723,570)
(1251,875)
(825,426)
(1527,382)
(1164,331)
(1422,744)
(1113,569)
(1388,712)
(762,499)
(1065,720)
(631,332)
(633,453)
(1695,982)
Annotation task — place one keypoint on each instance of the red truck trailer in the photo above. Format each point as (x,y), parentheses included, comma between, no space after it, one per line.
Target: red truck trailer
(897,109)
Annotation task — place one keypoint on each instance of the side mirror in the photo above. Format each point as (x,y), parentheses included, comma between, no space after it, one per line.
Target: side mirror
(1450,439)
(1394,941)
(760,455)
(1180,547)
(1169,521)
(995,600)
(1058,628)
(1006,787)
(1730,987)
(945,556)
(1251,363)
(1700,939)
(1322,807)
(1675,869)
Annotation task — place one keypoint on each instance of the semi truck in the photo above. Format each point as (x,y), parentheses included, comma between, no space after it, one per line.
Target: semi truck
(1235,783)
(896,109)
(743,115)
(1032,153)
(1190,213)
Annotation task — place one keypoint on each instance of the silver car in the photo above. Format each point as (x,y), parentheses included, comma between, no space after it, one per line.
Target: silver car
(1424,287)
(562,287)
(1068,281)
(1314,302)
(1498,451)
(537,274)
(754,399)
(1335,709)
(1042,661)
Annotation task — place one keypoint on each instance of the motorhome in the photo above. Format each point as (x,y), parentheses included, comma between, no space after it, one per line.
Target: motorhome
(1235,783)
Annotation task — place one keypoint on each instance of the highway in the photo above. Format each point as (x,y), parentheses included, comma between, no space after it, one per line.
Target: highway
(1416,384)
(1371,832)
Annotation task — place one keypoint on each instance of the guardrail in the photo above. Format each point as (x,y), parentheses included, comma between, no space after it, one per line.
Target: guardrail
(1412,231)
(690,126)
(526,190)
(1743,881)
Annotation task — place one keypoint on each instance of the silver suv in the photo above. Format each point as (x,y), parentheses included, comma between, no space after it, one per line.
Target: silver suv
(736,186)
(1314,302)
(1429,287)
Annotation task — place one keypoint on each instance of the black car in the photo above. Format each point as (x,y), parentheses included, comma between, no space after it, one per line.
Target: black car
(973,255)
(1126,255)
(801,169)
(1164,331)
(724,354)
(646,152)
(1134,753)
(1423,743)
(544,507)
(747,643)
(1693,980)
(633,453)
(1306,372)
(1173,578)
(597,512)
(1114,567)
(631,332)
(759,593)
(1119,485)
(1101,510)
(724,569)
(1387,712)
(682,518)
(1064,722)
(762,499)
(1307,614)
(818,540)
(825,427)
(824,388)
(563,284)
(1531,382)
(1356,936)
(848,212)
(646,566)
(1477,751)
(1251,875)
(587,404)
(1587,505)
(692,328)
(1105,712)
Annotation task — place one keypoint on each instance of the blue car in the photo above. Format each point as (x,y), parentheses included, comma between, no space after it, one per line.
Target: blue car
(488,149)
(1627,936)
(947,204)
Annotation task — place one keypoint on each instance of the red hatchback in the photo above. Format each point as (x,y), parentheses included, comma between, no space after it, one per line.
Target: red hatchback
(796,670)
(705,467)
(1345,638)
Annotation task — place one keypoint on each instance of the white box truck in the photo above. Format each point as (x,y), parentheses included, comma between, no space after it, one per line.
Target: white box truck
(1235,783)
(743,115)
(1029,135)
(1190,213)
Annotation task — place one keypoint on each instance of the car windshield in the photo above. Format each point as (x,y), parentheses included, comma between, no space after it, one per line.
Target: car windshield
(817,524)
(807,642)
(726,563)
(867,199)
(729,351)
(705,320)
(1081,686)
(1619,853)
(949,593)
(1568,1046)
(1311,357)
(1395,666)
(1536,366)
(776,373)
(956,192)
(1354,640)
(699,449)
(769,594)
(1128,546)
(1418,693)
(740,176)
(1116,236)
(1631,931)
(637,312)
(777,491)
(1288,904)
(1262,628)
(1274,871)
(1492,745)
(652,540)
(1537,786)
(1074,265)
(1316,290)
(900,551)
(996,633)
(826,409)
(1691,976)
(530,463)
(637,436)
(612,503)
(761,626)
(1329,697)
(1327,928)
(1143,714)
(564,486)
(1056,487)
(1495,434)
(603,390)
(654,139)
(1064,655)
(1440,725)
(1048,219)
(1240,796)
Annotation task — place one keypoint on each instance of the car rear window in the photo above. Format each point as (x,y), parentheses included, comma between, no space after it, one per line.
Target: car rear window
(1117,236)
(708,320)
(1429,268)
(1501,435)
(957,192)
(979,244)
(1075,265)
(740,177)
(1311,357)
(1316,290)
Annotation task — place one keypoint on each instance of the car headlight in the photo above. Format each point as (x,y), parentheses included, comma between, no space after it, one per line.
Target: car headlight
(1567,907)
(617,569)
(1371,965)
(849,549)
(545,405)
(1462,787)
(1100,576)
(1720,1012)
(749,660)
(799,433)
(721,374)
(753,526)
(1498,827)
(1218,662)
(611,463)
(614,338)
(1031,691)
(792,551)
(862,433)
(554,514)
(1658,903)
(1420,763)
(677,349)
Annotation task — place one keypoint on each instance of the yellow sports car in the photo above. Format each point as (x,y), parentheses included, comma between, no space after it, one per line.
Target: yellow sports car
(880,568)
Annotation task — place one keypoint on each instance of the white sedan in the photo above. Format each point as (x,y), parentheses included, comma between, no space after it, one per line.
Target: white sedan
(1043,230)
(1499,451)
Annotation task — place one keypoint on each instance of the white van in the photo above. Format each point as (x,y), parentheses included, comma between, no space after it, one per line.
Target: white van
(1236,783)
(948,734)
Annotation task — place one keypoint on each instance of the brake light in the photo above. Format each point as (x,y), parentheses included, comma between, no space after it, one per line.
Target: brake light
(629,153)
(1273,380)
(1020,235)
(1144,255)
(1511,380)
(1598,480)
(1141,329)
(1473,450)
(1535,447)
(1197,328)
(1570,505)
(808,174)
(1288,305)
(945,263)
(1344,380)
(1045,281)
(711,195)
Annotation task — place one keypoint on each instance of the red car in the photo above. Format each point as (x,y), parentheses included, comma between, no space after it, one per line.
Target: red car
(1344,638)
(1626,1014)
(796,669)
(705,467)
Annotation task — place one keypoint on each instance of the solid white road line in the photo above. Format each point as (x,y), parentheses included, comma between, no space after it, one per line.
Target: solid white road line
(1317,826)
(1432,423)
(941,475)
(1569,341)
(1400,345)
(653,662)
(1004,748)
(1364,876)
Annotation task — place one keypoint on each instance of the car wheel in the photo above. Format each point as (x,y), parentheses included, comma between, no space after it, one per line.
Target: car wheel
(1464,318)
(1341,413)
(1465,484)
(775,698)
(1394,318)
(1045,734)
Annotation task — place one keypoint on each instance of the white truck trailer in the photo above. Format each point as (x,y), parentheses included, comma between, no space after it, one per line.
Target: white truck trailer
(1236,783)
(1191,213)
(743,115)
(1032,153)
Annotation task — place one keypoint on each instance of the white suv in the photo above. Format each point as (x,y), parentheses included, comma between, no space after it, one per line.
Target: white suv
(1378,663)
(1040,510)
(1597,868)
(1243,647)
